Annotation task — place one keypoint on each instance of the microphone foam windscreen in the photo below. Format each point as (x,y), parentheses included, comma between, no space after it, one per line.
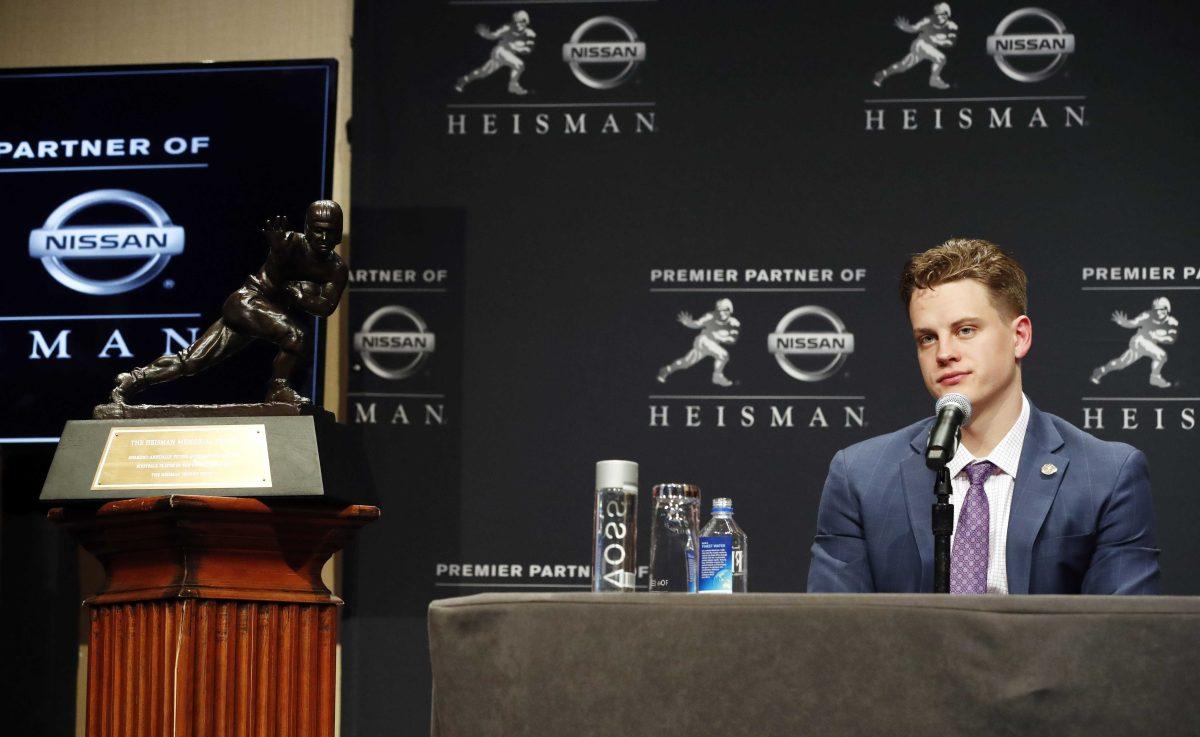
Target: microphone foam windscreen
(955,400)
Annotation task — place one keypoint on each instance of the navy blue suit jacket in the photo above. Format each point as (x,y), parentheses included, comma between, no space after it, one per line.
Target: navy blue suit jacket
(1088,528)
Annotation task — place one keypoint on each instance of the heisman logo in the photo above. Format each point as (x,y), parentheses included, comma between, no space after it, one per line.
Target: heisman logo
(784,344)
(371,343)
(513,40)
(718,328)
(582,55)
(934,32)
(1001,45)
(1155,328)
(56,242)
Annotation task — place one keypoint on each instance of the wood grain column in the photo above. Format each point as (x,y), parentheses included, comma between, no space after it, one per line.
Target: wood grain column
(213,619)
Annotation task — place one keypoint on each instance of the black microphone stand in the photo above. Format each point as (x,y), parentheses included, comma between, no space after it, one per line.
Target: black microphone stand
(944,438)
(943,526)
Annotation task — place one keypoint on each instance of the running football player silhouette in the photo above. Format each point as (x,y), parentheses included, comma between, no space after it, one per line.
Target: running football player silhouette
(512,39)
(717,329)
(1154,329)
(934,32)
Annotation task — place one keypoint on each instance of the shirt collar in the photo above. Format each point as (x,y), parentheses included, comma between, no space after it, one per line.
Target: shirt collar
(1007,453)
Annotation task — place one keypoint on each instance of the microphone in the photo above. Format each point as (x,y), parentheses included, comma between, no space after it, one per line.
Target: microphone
(953,412)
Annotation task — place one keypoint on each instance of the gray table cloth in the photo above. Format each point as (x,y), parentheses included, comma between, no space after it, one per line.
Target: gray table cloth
(573,665)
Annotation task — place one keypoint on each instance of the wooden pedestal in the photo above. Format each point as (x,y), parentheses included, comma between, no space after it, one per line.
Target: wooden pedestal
(213,619)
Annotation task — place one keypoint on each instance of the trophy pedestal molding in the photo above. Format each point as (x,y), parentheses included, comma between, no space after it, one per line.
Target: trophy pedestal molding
(213,619)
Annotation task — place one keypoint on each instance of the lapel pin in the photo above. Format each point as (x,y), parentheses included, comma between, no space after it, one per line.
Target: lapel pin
(1049,469)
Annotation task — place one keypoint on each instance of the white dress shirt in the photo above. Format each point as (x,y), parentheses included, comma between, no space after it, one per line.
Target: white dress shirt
(999,490)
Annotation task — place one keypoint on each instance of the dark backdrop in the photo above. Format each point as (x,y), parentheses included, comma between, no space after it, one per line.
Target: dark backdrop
(749,137)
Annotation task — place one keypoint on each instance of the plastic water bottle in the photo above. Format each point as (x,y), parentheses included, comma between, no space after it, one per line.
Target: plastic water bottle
(675,537)
(723,565)
(614,552)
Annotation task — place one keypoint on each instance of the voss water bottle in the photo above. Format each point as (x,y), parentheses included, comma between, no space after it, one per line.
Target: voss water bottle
(614,551)
(674,537)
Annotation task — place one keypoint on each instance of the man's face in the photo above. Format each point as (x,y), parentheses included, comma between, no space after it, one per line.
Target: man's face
(964,344)
(323,233)
(941,18)
(1162,312)
(723,313)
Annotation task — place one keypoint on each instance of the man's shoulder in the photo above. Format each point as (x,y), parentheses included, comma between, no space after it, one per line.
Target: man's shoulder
(895,443)
(1078,440)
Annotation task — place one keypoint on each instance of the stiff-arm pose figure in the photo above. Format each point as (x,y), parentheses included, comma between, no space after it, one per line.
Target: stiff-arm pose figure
(717,329)
(302,274)
(512,40)
(934,33)
(1154,329)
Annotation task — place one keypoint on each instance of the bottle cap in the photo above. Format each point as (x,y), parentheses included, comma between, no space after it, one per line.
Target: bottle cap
(617,475)
(722,504)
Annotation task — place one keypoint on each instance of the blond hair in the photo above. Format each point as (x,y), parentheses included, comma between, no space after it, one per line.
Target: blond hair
(968,258)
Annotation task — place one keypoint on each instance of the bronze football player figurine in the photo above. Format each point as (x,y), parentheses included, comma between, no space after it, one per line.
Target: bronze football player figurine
(301,274)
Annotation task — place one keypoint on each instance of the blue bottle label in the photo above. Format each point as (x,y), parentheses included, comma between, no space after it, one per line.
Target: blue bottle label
(716,564)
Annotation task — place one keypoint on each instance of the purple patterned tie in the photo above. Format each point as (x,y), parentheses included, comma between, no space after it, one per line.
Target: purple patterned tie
(969,558)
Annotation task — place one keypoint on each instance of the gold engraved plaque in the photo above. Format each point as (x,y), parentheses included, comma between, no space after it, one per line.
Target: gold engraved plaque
(184,457)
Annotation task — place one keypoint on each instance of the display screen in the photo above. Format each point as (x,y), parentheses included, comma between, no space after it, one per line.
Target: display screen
(134,199)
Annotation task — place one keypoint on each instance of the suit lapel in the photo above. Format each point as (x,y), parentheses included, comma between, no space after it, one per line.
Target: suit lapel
(918,492)
(1033,493)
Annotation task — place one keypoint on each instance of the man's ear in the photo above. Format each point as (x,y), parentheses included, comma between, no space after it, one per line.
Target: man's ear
(1022,336)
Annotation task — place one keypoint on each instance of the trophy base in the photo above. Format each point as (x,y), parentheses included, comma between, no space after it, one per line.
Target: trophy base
(122,411)
(264,450)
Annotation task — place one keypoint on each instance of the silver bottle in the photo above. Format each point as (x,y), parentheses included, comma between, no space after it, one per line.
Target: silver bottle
(614,549)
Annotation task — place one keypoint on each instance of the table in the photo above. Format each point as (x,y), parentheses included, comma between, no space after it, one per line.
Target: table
(574,665)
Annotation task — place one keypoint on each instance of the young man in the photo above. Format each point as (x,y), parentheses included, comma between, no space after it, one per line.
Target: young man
(1040,506)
